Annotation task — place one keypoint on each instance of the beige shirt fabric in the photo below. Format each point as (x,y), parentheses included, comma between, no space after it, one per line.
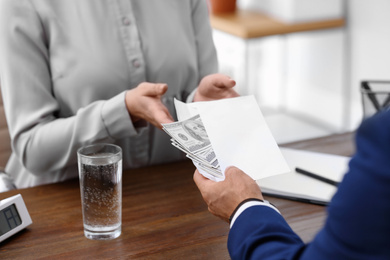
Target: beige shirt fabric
(65,67)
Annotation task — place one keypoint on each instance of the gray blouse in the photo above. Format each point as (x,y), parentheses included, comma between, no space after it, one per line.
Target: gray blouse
(65,67)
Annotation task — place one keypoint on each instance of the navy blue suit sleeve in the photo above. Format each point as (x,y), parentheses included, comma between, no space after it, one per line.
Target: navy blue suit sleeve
(262,233)
(358,223)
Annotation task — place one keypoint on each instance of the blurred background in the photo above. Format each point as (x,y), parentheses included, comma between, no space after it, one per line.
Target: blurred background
(307,83)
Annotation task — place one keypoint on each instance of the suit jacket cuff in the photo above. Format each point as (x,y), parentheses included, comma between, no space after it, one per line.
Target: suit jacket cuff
(250,203)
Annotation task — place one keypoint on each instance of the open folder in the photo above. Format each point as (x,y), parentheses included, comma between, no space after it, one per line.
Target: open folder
(296,186)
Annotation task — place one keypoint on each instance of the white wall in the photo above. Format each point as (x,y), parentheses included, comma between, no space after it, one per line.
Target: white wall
(369,27)
(315,77)
(291,11)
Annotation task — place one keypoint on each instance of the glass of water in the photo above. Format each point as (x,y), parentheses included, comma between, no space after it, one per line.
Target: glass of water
(100,172)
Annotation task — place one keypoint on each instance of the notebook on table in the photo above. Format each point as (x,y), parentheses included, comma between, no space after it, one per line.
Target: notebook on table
(296,186)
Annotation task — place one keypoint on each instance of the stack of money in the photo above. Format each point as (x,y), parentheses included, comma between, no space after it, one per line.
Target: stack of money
(190,136)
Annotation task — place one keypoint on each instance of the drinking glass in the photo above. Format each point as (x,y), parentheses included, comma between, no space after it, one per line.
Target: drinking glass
(100,173)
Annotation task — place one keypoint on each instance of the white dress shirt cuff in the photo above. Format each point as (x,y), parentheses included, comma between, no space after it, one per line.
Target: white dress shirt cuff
(251,204)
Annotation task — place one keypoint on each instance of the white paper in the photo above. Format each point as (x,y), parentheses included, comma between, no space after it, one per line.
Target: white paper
(239,135)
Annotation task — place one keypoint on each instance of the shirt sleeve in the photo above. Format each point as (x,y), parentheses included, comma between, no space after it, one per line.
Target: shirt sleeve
(43,142)
(206,52)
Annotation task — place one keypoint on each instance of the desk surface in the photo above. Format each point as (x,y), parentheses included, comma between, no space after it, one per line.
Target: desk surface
(248,24)
(164,216)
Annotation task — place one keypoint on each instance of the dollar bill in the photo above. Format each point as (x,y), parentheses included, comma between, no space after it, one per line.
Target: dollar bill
(190,137)
(206,156)
(189,133)
(208,172)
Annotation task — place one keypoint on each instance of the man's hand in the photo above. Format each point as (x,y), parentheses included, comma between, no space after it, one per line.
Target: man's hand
(223,197)
(144,102)
(215,86)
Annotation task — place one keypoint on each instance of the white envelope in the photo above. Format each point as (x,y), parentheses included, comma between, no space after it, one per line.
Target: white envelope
(238,134)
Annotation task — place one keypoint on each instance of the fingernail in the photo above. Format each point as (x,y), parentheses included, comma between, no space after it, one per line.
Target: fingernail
(161,88)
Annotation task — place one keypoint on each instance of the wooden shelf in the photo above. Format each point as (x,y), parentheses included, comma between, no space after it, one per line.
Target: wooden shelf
(249,24)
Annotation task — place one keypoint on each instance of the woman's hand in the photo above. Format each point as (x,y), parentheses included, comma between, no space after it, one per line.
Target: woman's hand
(215,86)
(144,102)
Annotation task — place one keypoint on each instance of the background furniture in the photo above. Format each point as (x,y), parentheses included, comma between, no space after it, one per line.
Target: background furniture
(298,71)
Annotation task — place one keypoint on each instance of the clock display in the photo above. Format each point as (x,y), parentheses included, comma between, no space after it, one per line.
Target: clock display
(13,216)
(9,219)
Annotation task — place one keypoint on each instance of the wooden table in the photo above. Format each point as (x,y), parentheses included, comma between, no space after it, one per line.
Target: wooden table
(164,216)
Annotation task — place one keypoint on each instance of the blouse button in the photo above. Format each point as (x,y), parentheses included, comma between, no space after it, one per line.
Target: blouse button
(125,21)
(136,63)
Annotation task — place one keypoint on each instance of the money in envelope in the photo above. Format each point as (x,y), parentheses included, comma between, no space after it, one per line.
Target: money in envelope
(228,132)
